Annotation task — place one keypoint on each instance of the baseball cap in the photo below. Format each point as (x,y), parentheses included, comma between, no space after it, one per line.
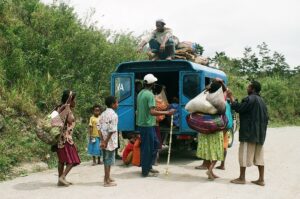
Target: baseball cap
(150,79)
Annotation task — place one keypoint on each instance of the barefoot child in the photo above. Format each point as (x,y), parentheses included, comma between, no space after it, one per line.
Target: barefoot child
(108,124)
(94,136)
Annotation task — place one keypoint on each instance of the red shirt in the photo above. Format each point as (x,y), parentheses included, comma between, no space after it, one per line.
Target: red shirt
(127,150)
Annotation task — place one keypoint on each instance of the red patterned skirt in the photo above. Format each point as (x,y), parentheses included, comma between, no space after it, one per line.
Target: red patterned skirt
(68,155)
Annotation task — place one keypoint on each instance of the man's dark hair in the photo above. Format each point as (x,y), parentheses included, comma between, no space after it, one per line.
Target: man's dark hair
(110,100)
(255,85)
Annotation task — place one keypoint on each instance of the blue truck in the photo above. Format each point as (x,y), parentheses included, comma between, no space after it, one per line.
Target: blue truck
(183,79)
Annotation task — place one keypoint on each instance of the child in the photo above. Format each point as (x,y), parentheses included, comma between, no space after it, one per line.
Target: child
(108,124)
(128,151)
(94,136)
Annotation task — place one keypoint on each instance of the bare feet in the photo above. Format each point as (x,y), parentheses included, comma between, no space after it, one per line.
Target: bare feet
(238,181)
(210,175)
(214,175)
(220,167)
(109,184)
(201,167)
(111,180)
(259,182)
(70,183)
(62,182)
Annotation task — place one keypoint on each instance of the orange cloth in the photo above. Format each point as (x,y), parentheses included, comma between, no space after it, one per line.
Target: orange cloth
(136,157)
(226,140)
(160,106)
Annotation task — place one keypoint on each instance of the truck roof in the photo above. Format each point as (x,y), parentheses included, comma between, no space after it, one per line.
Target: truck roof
(165,66)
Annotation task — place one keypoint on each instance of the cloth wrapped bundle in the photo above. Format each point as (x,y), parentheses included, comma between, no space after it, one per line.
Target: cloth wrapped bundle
(206,124)
(49,128)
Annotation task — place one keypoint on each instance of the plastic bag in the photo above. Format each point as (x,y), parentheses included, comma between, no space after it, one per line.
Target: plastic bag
(162,104)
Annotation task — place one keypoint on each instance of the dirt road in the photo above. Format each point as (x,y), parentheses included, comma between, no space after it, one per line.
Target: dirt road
(282,157)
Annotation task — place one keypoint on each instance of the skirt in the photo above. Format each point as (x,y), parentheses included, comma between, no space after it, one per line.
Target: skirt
(68,155)
(94,147)
(211,146)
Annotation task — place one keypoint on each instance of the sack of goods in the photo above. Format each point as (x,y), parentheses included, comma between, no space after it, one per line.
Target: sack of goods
(207,112)
(200,104)
(206,124)
(50,128)
(162,104)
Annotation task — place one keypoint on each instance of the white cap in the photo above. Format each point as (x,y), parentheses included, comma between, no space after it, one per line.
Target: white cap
(150,79)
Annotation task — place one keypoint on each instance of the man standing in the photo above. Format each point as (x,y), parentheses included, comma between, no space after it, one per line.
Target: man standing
(161,42)
(252,133)
(146,122)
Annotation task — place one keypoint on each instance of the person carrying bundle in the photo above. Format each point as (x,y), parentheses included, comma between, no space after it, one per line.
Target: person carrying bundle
(210,147)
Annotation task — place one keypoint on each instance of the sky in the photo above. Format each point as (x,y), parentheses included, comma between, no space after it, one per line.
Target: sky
(217,25)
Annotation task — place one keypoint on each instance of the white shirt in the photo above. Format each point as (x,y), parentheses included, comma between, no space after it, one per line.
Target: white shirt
(108,123)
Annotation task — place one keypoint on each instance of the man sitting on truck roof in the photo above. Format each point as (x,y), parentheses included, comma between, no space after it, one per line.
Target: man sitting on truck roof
(161,42)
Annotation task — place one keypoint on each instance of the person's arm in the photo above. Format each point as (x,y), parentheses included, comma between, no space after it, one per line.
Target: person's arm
(242,107)
(152,105)
(100,134)
(107,139)
(165,39)
(155,112)
(144,41)
(90,127)
(142,45)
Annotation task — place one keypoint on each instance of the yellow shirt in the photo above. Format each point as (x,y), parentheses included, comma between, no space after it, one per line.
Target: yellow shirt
(93,123)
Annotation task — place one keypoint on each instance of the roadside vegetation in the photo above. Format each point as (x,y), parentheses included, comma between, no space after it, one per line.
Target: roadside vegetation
(46,49)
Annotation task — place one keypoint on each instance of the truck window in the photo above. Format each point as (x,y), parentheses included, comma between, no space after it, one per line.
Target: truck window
(122,88)
(191,85)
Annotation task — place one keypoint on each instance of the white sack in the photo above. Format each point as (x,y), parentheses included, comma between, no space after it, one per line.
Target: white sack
(200,104)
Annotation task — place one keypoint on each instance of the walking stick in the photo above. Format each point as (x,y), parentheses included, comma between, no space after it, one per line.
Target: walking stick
(170,145)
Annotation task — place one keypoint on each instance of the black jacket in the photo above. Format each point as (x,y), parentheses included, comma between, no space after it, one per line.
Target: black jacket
(253,119)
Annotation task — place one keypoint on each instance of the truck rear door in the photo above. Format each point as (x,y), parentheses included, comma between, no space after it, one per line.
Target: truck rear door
(122,87)
(189,87)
